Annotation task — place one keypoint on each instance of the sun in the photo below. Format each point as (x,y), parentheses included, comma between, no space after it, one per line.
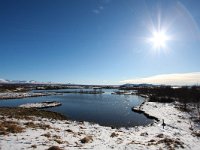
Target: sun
(159,39)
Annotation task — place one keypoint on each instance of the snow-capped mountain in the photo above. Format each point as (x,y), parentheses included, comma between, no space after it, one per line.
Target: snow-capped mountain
(4,81)
(17,81)
(23,82)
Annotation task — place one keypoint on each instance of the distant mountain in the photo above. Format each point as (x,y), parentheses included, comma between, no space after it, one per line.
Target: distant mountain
(17,81)
(4,81)
(23,82)
(137,85)
(32,81)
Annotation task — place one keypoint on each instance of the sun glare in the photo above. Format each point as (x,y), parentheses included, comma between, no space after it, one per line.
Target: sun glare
(159,40)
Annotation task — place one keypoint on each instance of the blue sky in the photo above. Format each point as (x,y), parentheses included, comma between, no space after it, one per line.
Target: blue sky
(97,41)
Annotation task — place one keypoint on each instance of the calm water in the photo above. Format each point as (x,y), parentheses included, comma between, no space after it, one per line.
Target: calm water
(106,109)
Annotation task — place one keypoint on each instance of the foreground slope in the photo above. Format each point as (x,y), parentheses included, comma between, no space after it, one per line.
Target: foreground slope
(42,133)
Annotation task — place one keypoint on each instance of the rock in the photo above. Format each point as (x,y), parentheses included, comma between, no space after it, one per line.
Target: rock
(152,140)
(54,148)
(86,139)
(160,135)
(112,127)
(69,130)
(144,134)
(33,146)
(114,134)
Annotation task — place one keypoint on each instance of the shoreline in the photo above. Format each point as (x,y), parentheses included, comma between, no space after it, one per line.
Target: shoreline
(137,110)
(177,133)
(21,95)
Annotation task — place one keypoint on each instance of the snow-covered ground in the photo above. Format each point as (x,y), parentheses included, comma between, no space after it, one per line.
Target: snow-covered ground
(14,95)
(41,105)
(177,133)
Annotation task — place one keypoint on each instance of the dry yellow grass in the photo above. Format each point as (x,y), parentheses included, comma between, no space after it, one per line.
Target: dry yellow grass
(37,125)
(7,127)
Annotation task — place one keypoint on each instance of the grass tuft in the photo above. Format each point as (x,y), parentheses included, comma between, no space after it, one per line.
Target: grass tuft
(7,127)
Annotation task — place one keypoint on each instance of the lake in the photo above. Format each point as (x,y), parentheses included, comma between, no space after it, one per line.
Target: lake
(105,109)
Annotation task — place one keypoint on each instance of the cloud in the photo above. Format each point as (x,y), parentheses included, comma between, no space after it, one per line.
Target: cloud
(101,7)
(169,79)
(96,11)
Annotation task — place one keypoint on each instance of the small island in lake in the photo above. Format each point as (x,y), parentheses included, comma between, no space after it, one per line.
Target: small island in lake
(46,104)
